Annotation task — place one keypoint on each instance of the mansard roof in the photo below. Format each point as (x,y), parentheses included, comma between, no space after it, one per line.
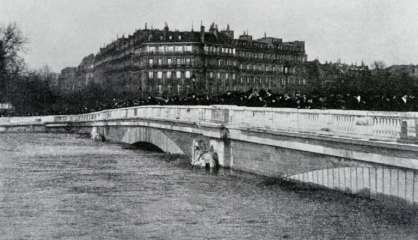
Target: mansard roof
(212,37)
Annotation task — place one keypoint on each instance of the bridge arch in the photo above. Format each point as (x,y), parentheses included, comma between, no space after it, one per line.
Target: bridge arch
(135,135)
(200,150)
(146,146)
(376,182)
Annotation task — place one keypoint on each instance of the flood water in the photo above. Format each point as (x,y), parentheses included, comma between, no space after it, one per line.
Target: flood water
(56,186)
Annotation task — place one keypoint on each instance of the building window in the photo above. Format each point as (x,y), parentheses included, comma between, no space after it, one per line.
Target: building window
(211,74)
(188,74)
(178,74)
(160,61)
(226,75)
(188,48)
(160,89)
(187,61)
(150,61)
(170,49)
(161,49)
(219,75)
(150,75)
(233,76)
(159,75)
(169,61)
(179,48)
(168,75)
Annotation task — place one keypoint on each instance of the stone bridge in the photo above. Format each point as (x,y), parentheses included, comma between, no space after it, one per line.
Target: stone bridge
(361,152)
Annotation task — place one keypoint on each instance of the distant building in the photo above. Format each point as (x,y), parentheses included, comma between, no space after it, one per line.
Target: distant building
(6,108)
(85,70)
(165,62)
(410,70)
(67,81)
(327,75)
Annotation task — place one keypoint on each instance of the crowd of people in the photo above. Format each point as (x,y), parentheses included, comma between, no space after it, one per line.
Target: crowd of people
(266,98)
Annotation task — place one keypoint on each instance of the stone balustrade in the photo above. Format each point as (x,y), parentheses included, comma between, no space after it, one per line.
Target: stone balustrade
(372,125)
(356,124)
(26,120)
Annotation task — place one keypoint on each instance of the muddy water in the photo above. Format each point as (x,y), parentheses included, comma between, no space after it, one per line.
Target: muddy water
(66,187)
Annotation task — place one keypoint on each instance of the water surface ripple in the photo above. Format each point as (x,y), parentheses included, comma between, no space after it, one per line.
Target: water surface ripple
(56,186)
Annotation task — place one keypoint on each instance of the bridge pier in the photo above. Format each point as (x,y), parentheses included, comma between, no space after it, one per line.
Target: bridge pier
(215,152)
(223,149)
(96,135)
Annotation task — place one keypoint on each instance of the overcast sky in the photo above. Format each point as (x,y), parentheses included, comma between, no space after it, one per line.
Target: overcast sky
(61,32)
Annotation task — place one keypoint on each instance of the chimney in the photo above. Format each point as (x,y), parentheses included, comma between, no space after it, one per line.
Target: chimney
(202,33)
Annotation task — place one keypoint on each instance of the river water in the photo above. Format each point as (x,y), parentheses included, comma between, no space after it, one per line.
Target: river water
(56,186)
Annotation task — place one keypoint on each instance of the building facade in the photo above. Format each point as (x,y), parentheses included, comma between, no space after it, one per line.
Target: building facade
(161,62)
(67,80)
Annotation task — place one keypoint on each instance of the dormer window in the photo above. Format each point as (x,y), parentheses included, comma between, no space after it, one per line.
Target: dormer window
(179,37)
(170,37)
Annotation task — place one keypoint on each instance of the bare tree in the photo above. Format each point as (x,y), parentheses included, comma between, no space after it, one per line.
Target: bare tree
(378,65)
(12,43)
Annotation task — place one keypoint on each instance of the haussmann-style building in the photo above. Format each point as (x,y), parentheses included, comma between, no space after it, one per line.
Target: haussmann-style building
(162,62)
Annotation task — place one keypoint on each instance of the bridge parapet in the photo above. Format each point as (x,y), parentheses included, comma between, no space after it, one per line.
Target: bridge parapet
(174,113)
(26,120)
(372,125)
